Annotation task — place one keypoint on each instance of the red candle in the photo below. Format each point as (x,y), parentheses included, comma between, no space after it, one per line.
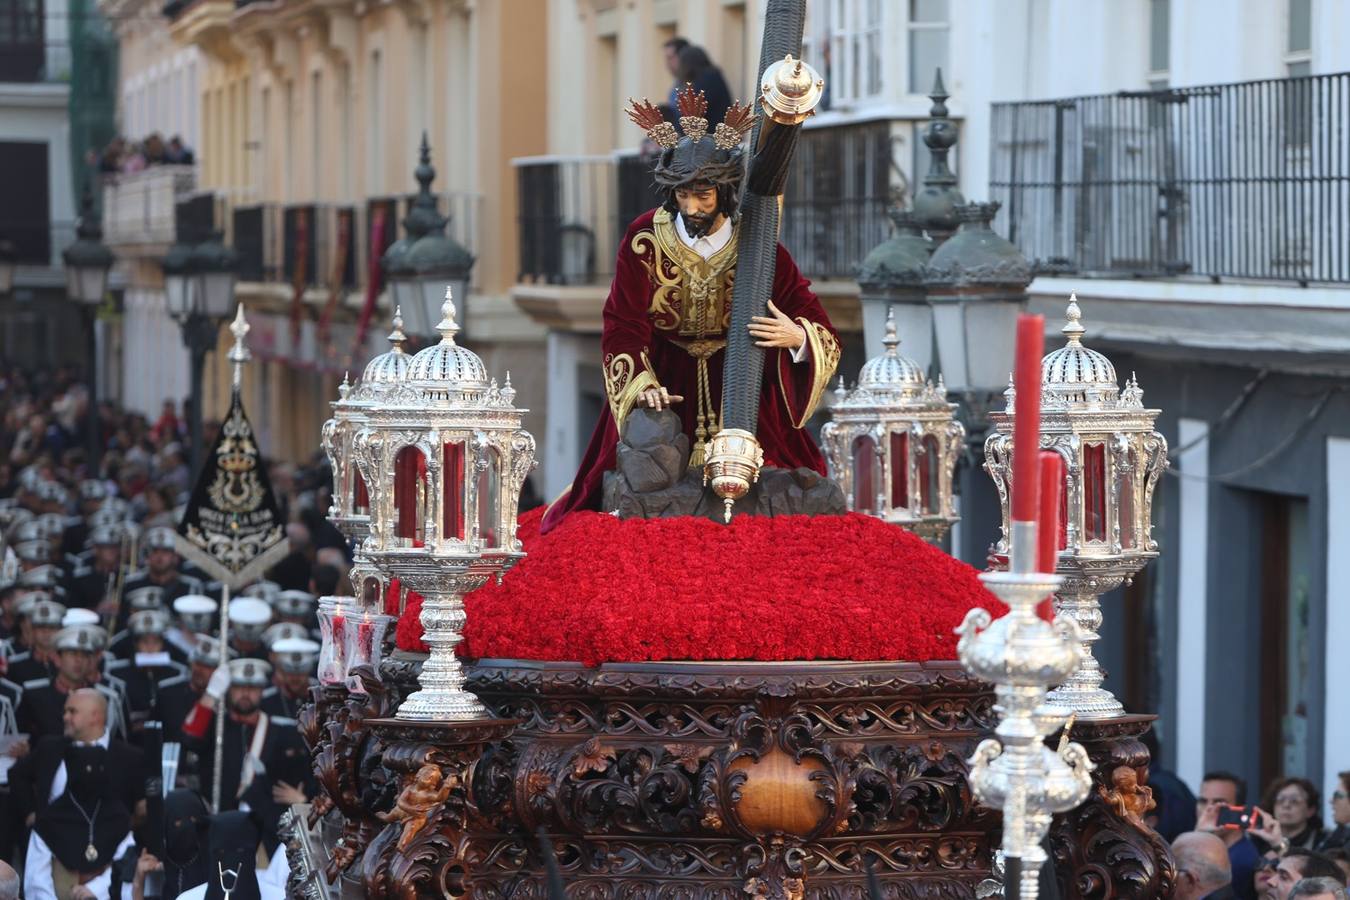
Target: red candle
(1027,418)
(1047,527)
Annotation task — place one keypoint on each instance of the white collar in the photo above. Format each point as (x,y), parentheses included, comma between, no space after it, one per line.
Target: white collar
(708,244)
(103,740)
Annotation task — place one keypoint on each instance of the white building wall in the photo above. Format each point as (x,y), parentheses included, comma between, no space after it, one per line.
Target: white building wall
(152,340)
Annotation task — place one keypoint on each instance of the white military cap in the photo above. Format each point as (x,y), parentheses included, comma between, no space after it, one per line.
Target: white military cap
(206,652)
(38,550)
(250,672)
(149,597)
(78,616)
(159,539)
(106,515)
(282,631)
(296,654)
(264,590)
(51,526)
(196,611)
(88,638)
(93,489)
(148,621)
(109,535)
(52,492)
(294,603)
(43,577)
(249,617)
(47,614)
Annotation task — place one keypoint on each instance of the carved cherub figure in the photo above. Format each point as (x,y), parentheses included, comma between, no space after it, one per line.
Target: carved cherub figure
(1129,798)
(428,790)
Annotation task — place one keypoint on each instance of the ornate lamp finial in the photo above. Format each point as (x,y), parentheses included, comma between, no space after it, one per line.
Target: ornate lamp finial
(1073,328)
(447,326)
(239,352)
(397,337)
(892,339)
(345,388)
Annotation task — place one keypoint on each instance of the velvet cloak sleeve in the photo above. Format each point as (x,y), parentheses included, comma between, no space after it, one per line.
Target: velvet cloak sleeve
(801,385)
(625,341)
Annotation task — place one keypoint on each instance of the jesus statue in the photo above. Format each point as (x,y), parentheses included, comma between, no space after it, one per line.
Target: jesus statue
(669,309)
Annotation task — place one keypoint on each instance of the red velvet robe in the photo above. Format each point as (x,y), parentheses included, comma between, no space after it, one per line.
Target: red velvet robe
(666,307)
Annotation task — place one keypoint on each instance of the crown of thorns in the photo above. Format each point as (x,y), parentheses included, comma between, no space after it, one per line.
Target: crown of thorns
(693,108)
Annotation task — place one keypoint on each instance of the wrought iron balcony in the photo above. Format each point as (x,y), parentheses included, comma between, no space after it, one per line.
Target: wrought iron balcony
(574,209)
(1248,181)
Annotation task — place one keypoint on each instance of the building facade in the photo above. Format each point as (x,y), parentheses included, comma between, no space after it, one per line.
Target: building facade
(55,102)
(307,119)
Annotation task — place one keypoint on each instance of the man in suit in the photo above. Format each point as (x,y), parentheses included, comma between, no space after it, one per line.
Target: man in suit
(78,790)
(79,650)
(1203,869)
(266,763)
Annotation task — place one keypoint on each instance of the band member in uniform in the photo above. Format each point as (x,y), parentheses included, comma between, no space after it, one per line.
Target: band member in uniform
(124,643)
(39,621)
(266,763)
(177,696)
(294,660)
(79,651)
(249,618)
(149,668)
(296,606)
(161,570)
(79,789)
(196,615)
(90,589)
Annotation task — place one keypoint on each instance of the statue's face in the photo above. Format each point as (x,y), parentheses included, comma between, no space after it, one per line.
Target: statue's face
(698,208)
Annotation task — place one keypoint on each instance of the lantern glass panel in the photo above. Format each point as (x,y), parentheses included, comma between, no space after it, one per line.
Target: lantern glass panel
(490,499)
(452,497)
(930,474)
(1094,492)
(1064,510)
(864,474)
(360,495)
(899,451)
(1126,502)
(371,592)
(410,497)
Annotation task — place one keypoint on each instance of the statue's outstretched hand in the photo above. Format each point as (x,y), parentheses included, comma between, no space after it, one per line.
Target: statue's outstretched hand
(658,398)
(776,330)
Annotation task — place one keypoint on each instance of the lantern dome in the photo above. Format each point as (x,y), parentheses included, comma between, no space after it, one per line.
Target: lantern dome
(891,372)
(391,366)
(1074,373)
(447,365)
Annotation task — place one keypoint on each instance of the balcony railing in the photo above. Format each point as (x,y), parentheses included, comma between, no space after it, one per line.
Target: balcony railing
(140,208)
(1247,181)
(335,240)
(32,59)
(573,210)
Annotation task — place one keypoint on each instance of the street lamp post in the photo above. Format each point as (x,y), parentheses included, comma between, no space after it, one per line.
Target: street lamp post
(420,266)
(199,292)
(87,264)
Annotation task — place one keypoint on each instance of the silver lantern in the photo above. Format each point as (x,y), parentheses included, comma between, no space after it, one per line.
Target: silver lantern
(1113,458)
(893,442)
(350,508)
(444,457)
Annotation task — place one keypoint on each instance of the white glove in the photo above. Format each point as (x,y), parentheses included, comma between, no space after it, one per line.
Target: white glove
(219,683)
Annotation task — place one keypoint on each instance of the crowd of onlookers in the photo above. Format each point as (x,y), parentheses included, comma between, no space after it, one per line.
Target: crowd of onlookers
(1228,844)
(45,423)
(126,156)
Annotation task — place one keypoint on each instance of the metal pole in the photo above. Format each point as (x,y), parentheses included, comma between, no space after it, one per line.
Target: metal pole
(93,445)
(199,333)
(222,706)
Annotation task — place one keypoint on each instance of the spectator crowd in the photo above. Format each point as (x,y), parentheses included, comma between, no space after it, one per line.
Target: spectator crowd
(111,670)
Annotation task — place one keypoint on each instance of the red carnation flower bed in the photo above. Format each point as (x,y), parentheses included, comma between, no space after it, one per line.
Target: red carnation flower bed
(597,589)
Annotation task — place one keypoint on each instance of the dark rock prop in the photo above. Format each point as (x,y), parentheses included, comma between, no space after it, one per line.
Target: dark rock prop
(652,479)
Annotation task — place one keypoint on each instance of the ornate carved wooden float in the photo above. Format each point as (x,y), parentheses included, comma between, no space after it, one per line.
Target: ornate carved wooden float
(700,780)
